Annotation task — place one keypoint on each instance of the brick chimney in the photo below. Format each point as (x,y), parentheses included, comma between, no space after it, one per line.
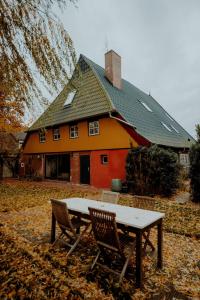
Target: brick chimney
(113,68)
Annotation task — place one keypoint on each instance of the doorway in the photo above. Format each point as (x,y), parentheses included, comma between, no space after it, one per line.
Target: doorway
(85,169)
(57,166)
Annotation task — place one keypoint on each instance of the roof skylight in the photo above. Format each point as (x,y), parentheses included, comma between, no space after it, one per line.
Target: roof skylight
(175,129)
(167,127)
(70,98)
(146,106)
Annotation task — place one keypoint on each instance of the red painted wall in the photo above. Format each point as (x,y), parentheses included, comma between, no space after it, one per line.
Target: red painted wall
(101,175)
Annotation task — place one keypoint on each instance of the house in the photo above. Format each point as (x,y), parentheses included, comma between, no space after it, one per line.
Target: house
(10,147)
(85,134)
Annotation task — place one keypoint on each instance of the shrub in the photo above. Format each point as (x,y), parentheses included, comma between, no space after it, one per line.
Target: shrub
(153,170)
(195,172)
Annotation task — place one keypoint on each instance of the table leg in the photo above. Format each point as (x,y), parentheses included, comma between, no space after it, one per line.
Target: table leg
(53,228)
(139,272)
(160,245)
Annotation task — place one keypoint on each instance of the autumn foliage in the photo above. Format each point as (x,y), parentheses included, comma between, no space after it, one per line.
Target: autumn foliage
(35,52)
(31,268)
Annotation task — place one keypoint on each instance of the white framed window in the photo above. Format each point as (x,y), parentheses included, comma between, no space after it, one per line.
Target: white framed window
(21,142)
(166,127)
(70,98)
(42,137)
(184,159)
(73,131)
(93,128)
(56,134)
(104,159)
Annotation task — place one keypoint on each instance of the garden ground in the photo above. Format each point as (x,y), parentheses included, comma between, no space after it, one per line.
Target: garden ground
(30,268)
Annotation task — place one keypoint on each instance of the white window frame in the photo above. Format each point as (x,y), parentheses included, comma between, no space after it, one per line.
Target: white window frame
(103,160)
(184,159)
(56,134)
(73,131)
(93,128)
(70,98)
(21,142)
(42,137)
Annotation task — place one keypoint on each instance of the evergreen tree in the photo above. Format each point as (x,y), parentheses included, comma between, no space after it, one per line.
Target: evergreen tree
(153,170)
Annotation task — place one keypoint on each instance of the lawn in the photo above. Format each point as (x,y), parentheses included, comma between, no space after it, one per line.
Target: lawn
(30,268)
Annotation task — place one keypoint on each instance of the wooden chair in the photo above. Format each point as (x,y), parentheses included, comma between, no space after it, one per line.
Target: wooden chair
(147,203)
(109,240)
(111,197)
(70,227)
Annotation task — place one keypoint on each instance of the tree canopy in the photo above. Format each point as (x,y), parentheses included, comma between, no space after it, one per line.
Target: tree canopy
(30,34)
(198,132)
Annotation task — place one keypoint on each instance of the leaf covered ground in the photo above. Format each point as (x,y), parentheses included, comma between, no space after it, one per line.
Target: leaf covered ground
(30,268)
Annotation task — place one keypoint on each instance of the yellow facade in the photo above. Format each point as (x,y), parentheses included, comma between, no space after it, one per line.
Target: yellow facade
(111,136)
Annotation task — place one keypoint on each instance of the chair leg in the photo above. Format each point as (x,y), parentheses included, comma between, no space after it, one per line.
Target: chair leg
(61,234)
(77,241)
(95,260)
(124,269)
(74,246)
(90,229)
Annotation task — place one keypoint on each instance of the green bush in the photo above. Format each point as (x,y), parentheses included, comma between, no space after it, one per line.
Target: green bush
(152,170)
(195,172)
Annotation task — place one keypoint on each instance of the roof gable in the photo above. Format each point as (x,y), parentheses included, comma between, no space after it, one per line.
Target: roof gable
(90,100)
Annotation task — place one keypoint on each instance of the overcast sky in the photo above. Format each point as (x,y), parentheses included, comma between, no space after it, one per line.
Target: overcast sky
(158,40)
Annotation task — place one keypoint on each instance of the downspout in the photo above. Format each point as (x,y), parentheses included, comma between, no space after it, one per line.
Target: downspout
(122,121)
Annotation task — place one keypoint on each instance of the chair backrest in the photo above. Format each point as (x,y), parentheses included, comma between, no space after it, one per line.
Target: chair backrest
(105,229)
(143,202)
(61,214)
(111,197)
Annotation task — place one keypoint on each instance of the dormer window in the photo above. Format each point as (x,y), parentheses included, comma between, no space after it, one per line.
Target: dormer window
(56,134)
(42,137)
(73,131)
(70,98)
(93,128)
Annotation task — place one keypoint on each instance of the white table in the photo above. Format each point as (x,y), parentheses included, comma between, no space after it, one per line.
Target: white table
(136,220)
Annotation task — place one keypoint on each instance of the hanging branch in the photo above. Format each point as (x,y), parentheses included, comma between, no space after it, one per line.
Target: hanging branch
(30,34)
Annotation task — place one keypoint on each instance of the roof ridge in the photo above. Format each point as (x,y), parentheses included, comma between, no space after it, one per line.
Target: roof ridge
(123,79)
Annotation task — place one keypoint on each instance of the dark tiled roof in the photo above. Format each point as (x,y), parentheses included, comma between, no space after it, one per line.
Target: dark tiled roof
(149,124)
(97,96)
